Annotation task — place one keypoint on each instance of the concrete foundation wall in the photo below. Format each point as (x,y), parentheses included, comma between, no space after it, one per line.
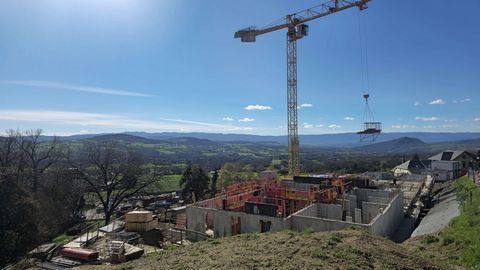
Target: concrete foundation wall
(330,211)
(249,223)
(386,223)
(310,211)
(378,218)
(300,223)
(371,210)
(371,195)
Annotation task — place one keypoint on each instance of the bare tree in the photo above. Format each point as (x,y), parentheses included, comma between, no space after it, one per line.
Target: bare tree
(38,156)
(112,173)
(9,154)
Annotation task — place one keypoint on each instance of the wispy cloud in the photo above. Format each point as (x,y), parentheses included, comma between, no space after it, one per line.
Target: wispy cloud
(437,102)
(426,119)
(404,126)
(78,88)
(227,119)
(306,105)
(417,103)
(257,107)
(334,126)
(462,100)
(307,125)
(477,119)
(349,118)
(319,126)
(246,119)
(448,126)
(111,121)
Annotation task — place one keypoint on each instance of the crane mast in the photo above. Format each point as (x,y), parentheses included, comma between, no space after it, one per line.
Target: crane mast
(296,29)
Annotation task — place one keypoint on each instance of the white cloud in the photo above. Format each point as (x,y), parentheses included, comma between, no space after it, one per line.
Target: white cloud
(257,107)
(348,118)
(403,126)
(417,103)
(83,131)
(334,126)
(477,119)
(426,119)
(319,126)
(227,118)
(448,126)
(307,125)
(79,88)
(110,121)
(462,100)
(306,105)
(246,119)
(428,127)
(437,102)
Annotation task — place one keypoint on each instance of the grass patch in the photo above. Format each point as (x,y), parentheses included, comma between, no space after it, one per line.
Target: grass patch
(308,231)
(320,254)
(463,232)
(63,239)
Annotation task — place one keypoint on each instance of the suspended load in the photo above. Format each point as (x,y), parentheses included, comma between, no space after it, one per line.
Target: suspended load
(370,129)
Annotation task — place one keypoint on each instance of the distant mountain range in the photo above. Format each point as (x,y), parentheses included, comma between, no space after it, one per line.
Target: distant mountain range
(346,140)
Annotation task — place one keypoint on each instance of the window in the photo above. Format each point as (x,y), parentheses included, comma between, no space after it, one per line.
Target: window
(265,226)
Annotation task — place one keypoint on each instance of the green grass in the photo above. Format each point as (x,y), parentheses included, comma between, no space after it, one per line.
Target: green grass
(63,239)
(165,183)
(463,232)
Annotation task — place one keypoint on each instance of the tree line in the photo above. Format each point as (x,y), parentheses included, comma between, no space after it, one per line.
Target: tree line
(42,186)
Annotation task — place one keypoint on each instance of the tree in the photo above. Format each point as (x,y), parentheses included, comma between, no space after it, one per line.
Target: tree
(112,173)
(38,156)
(194,183)
(234,172)
(213,183)
(18,229)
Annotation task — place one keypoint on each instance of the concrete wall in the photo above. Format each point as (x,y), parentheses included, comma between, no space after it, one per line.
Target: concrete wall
(371,195)
(330,211)
(386,223)
(370,210)
(222,222)
(300,223)
(250,223)
(319,217)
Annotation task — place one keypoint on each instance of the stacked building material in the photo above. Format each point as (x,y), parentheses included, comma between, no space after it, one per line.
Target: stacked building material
(140,221)
(80,254)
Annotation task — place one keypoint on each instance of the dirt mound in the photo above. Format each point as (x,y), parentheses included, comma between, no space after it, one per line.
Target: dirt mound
(349,249)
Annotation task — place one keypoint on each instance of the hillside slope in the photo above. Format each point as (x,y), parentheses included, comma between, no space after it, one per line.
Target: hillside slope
(349,249)
(401,145)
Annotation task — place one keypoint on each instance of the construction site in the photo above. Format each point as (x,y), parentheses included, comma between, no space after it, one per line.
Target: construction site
(386,204)
(266,205)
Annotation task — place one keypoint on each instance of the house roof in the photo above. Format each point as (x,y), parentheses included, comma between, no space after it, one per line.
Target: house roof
(449,155)
(414,164)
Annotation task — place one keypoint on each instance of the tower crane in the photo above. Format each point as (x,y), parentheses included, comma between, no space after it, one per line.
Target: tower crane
(296,29)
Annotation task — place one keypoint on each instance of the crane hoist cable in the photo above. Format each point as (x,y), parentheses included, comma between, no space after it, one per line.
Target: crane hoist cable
(370,129)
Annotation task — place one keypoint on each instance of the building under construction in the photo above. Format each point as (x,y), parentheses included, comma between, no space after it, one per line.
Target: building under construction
(320,203)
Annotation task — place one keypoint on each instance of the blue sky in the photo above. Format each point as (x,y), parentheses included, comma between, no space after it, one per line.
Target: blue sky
(92,66)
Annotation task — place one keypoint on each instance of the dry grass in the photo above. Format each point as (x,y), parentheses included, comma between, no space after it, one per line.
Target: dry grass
(349,249)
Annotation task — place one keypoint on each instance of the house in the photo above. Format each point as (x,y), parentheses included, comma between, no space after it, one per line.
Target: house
(465,158)
(412,167)
(444,170)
